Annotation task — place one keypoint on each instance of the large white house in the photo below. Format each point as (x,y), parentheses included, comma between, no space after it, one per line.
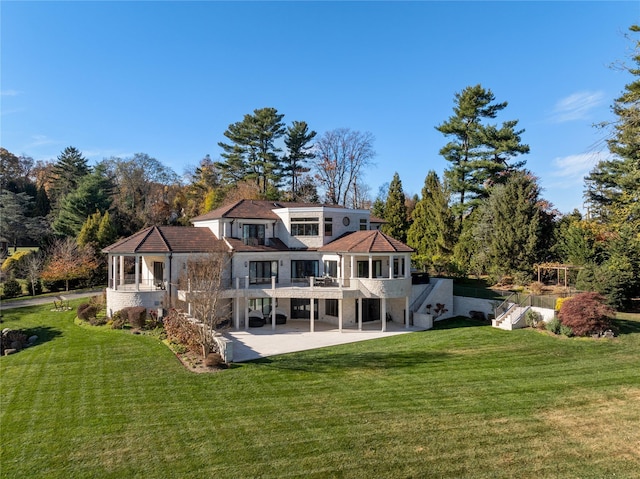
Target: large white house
(288,261)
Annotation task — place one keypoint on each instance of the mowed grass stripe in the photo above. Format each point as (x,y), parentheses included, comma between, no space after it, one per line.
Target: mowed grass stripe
(460,401)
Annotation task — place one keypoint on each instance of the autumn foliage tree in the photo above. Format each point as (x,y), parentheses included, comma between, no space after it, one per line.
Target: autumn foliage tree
(586,314)
(68,261)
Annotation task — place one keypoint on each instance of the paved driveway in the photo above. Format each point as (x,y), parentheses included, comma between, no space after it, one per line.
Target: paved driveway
(295,336)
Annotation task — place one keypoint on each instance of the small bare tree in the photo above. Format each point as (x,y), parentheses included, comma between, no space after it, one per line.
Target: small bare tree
(204,281)
(31,268)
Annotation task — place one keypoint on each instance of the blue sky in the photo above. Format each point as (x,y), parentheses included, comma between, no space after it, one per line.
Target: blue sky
(167,78)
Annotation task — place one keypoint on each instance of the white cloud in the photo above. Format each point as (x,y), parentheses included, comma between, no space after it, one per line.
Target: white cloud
(9,93)
(577,106)
(571,170)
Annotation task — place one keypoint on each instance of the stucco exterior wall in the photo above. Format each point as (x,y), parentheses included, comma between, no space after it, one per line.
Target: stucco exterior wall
(117,300)
(462,305)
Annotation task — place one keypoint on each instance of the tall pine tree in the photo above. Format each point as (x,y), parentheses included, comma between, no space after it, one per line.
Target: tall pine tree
(298,143)
(479,153)
(395,211)
(252,153)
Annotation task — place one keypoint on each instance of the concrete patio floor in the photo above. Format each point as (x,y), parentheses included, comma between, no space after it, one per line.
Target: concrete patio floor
(295,336)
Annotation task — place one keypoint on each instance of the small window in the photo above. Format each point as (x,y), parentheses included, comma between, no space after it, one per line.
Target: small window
(328,226)
(363,224)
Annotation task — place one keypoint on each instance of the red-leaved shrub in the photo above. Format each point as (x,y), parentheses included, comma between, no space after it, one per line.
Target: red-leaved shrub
(182,331)
(586,314)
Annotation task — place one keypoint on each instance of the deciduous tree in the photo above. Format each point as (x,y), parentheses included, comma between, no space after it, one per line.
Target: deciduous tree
(67,261)
(204,281)
(341,157)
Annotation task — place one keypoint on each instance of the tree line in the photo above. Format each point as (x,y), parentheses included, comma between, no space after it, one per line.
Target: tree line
(483,216)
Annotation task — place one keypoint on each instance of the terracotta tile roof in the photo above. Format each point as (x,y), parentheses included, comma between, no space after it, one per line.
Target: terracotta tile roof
(254,209)
(273,244)
(372,241)
(168,239)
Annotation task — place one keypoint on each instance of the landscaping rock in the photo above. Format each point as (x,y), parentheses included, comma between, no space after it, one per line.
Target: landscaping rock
(7,352)
(33,339)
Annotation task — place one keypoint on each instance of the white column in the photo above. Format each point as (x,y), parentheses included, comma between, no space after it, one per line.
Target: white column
(360,301)
(246,314)
(340,315)
(352,274)
(312,316)
(121,270)
(273,313)
(390,266)
(370,267)
(407,313)
(236,312)
(137,276)
(110,271)
(383,312)
(407,267)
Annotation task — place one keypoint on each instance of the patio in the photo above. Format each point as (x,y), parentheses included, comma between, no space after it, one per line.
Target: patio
(295,336)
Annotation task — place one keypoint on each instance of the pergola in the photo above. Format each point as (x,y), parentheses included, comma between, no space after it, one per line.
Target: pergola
(557,267)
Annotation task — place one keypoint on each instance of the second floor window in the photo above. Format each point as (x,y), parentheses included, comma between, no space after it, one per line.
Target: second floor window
(303,268)
(328,226)
(253,235)
(305,226)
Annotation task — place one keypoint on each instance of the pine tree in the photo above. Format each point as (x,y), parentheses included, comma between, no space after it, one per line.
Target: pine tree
(252,153)
(67,172)
(478,153)
(432,232)
(613,186)
(395,211)
(298,142)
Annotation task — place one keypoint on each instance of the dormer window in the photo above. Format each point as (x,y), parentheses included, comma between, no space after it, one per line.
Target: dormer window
(253,235)
(305,226)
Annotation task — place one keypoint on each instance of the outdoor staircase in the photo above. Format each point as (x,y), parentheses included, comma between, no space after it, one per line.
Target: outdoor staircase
(512,319)
(511,313)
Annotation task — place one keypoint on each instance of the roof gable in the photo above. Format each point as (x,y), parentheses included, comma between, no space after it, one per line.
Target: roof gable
(168,239)
(371,241)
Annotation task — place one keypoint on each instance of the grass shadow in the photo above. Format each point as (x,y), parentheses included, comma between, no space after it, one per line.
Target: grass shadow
(326,362)
(459,322)
(626,326)
(44,334)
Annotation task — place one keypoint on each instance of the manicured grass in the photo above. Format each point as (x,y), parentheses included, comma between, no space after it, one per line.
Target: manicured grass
(463,400)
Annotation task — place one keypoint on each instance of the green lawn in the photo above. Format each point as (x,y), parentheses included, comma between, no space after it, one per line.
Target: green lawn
(463,400)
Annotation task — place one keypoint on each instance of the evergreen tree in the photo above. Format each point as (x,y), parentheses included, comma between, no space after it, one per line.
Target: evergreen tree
(89,233)
(298,142)
(395,211)
(92,194)
(42,206)
(67,173)
(478,153)
(509,233)
(613,186)
(432,232)
(252,153)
